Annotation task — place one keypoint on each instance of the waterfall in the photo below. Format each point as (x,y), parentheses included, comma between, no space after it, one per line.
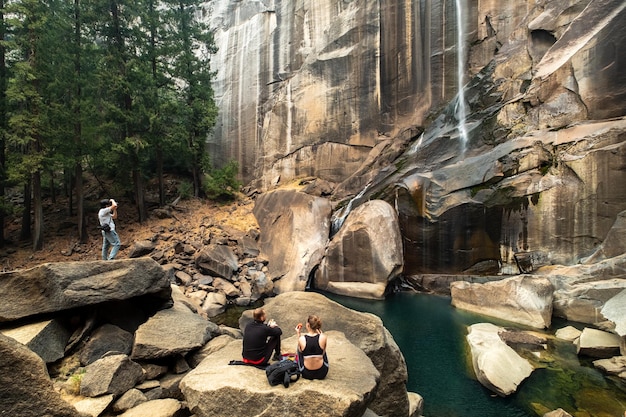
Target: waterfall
(460,58)
(340,216)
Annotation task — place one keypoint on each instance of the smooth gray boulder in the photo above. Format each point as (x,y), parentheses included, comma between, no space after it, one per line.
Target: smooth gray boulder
(612,366)
(523,299)
(294,232)
(214,303)
(47,338)
(370,239)
(569,333)
(364,330)
(25,386)
(141,248)
(496,365)
(54,287)
(128,400)
(215,388)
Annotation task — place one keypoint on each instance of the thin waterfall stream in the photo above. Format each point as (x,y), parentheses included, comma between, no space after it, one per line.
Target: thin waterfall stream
(461,110)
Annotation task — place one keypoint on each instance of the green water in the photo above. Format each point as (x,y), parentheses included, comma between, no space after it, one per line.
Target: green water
(431,334)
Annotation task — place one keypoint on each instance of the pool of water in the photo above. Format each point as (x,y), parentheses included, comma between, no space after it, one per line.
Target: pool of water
(431,335)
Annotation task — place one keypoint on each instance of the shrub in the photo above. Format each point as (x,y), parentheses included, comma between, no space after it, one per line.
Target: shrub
(221,183)
(185,190)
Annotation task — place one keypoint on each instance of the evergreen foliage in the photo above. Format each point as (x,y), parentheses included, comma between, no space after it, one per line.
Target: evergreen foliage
(121,88)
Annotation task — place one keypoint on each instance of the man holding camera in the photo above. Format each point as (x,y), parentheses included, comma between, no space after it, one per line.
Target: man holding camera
(110,239)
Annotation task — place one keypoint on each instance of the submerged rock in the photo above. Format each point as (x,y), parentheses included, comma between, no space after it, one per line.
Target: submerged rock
(497,366)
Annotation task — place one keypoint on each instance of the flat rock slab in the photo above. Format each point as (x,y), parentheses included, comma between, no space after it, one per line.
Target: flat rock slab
(522,299)
(54,287)
(176,330)
(215,388)
(597,343)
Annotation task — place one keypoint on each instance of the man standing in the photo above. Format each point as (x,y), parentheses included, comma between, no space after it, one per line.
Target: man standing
(260,340)
(110,239)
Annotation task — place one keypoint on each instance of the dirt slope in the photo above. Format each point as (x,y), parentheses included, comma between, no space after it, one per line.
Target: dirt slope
(61,237)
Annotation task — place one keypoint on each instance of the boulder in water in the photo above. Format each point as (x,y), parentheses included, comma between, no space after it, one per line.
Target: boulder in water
(496,365)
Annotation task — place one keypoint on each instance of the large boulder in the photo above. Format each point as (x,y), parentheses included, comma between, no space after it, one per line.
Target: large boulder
(581,291)
(172,331)
(217,260)
(216,389)
(364,330)
(364,255)
(294,232)
(523,299)
(496,365)
(54,287)
(615,310)
(25,386)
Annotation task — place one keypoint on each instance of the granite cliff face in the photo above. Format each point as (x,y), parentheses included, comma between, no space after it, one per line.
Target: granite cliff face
(531,169)
(309,87)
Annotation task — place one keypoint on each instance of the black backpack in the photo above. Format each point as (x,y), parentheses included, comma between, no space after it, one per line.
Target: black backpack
(282,372)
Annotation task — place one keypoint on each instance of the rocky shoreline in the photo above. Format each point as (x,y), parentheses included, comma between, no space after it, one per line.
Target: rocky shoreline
(151,353)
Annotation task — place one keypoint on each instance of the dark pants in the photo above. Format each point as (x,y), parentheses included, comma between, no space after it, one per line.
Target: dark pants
(273,345)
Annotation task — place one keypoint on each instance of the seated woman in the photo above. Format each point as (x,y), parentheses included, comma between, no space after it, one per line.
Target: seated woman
(312,359)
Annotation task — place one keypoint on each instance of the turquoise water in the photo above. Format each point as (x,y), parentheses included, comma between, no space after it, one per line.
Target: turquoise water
(431,334)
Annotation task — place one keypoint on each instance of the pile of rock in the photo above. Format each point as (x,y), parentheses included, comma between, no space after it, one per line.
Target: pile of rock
(217,265)
(117,338)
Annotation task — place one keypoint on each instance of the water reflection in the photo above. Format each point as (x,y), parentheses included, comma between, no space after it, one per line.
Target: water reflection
(431,335)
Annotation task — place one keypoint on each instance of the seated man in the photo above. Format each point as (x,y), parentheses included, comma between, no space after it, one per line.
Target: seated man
(260,339)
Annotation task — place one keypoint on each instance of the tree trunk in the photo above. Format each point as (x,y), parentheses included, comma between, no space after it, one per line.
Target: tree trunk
(80,201)
(139,196)
(159,163)
(68,190)
(38,212)
(25,233)
(3,123)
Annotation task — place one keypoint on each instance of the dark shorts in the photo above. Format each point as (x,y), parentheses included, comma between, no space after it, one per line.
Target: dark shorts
(315,373)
